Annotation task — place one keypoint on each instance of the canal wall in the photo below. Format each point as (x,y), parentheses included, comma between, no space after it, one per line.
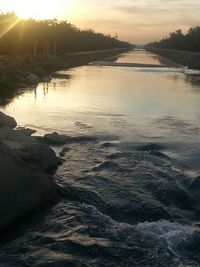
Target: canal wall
(185,58)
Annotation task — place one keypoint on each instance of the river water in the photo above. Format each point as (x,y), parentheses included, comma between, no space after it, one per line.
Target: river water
(130,193)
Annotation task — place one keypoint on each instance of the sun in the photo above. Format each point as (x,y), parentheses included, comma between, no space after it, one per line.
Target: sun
(37,9)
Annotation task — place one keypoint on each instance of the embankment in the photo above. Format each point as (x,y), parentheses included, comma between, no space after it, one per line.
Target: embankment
(190,59)
(18,72)
(82,58)
(26,163)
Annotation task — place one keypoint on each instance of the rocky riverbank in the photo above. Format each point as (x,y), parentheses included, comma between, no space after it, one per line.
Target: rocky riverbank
(190,59)
(26,163)
(19,72)
(27,169)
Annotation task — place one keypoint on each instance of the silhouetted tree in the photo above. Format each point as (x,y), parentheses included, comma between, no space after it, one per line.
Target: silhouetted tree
(49,37)
(179,41)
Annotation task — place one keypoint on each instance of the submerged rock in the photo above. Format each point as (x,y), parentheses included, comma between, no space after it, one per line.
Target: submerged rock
(7,121)
(59,139)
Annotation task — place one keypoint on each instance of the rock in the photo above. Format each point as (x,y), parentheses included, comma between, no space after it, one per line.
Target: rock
(29,149)
(7,121)
(15,139)
(47,79)
(21,85)
(22,187)
(63,151)
(25,182)
(56,139)
(41,156)
(26,131)
(32,78)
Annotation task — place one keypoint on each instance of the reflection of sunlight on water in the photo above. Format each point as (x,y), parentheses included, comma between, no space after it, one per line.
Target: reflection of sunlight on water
(140,56)
(122,101)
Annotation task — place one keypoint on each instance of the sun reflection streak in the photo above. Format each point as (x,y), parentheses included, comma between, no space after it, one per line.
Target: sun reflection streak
(6,30)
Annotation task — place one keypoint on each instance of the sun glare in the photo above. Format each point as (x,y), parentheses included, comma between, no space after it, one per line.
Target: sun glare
(37,9)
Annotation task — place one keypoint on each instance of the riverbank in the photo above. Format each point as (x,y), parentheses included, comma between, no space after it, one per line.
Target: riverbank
(129,188)
(19,72)
(26,181)
(186,58)
(27,169)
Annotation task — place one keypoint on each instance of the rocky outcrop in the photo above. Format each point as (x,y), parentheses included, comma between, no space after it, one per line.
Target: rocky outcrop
(6,120)
(25,180)
(27,162)
(23,187)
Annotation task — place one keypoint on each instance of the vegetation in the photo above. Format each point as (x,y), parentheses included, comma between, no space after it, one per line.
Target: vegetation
(42,47)
(28,37)
(179,41)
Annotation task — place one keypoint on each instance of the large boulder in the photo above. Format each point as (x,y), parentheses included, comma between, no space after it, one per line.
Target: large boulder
(41,156)
(7,121)
(25,179)
(29,149)
(25,182)
(23,186)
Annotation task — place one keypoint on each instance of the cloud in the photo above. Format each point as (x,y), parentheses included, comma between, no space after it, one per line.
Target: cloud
(141,21)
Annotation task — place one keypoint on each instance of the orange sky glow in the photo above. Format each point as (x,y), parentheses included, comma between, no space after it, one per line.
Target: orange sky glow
(136,21)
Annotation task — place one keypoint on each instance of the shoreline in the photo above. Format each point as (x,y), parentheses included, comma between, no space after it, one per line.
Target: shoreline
(28,162)
(186,58)
(28,166)
(19,72)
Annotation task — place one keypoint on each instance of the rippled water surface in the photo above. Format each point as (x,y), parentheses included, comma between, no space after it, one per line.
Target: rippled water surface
(130,195)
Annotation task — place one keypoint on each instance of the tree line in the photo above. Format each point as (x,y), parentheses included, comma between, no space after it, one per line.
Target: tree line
(179,41)
(30,36)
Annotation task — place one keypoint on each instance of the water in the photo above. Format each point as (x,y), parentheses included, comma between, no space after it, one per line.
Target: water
(141,56)
(130,197)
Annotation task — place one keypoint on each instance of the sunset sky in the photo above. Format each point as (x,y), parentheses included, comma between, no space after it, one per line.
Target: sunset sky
(137,21)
